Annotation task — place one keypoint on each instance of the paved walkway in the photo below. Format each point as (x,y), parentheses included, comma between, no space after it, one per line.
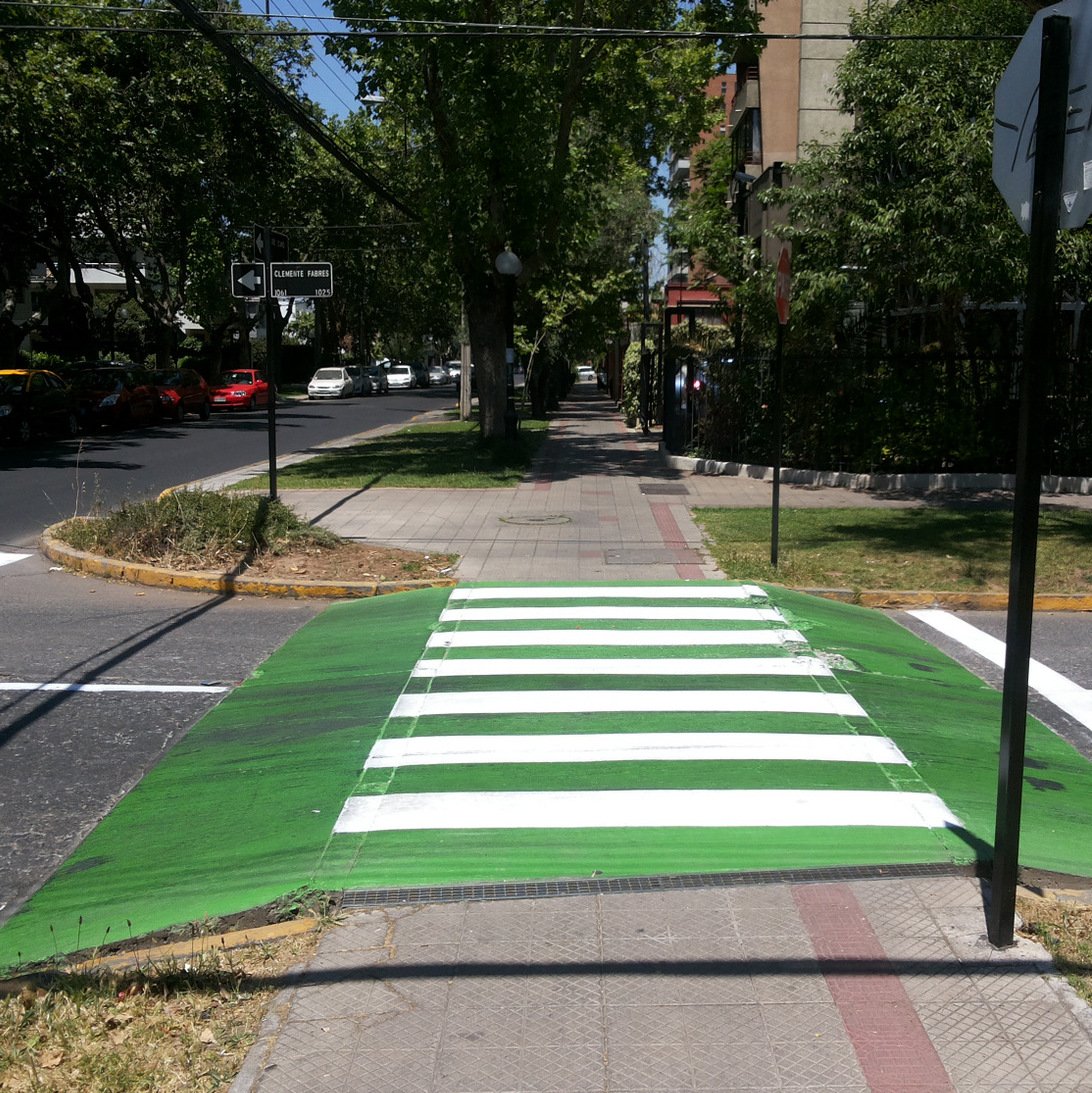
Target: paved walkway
(759,983)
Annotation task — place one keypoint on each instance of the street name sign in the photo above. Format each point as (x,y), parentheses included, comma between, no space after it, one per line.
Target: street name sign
(301,279)
(278,246)
(1016,106)
(248,280)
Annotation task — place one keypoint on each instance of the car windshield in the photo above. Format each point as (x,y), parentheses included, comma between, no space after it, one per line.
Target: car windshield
(328,374)
(10,384)
(401,369)
(101,381)
(166,379)
(238,377)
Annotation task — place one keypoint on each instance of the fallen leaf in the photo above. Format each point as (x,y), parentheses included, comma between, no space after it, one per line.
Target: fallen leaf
(50,1060)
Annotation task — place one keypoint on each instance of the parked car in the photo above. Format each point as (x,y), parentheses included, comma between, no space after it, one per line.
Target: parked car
(473,382)
(241,389)
(585,374)
(420,373)
(438,375)
(378,377)
(116,396)
(35,401)
(362,384)
(331,383)
(182,391)
(401,376)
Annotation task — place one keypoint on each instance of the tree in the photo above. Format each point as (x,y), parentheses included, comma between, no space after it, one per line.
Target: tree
(141,148)
(501,119)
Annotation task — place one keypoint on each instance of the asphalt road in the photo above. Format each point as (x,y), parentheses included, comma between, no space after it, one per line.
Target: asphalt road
(52,480)
(67,756)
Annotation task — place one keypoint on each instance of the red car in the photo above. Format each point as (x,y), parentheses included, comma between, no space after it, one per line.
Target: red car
(241,389)
(182,391)
(116,396)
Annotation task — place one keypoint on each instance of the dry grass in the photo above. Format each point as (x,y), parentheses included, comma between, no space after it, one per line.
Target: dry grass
(179,1025)
(1065,931)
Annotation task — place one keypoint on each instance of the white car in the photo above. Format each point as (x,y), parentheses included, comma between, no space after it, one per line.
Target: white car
(584,374)
(401,376)
(330,383)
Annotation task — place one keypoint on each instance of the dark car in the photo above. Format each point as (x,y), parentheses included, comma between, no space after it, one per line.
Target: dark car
(378,376)
(182,391)
(35,401)
(116,396)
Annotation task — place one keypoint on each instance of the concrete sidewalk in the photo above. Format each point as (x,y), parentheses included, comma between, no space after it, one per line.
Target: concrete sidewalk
(847,979)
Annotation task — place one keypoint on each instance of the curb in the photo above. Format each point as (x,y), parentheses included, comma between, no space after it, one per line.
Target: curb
(865,483)
(960,601)
(218,583)
(229,584)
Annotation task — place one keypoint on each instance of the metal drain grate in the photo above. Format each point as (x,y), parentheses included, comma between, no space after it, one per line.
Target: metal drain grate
(666,488)
(361,898)
(537,520)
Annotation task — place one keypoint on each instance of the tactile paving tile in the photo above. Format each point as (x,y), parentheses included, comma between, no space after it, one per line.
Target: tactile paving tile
(817,1065)
(982,1064)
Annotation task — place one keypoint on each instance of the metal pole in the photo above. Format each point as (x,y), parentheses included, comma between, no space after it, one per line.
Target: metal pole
(272,340)
(646,314)
(1039,332)
(775,504)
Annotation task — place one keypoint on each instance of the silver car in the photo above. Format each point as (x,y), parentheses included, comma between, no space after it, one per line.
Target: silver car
(331,383)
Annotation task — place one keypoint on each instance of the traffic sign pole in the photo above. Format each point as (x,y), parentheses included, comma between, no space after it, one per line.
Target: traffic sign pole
(1039,332)
(782,296)
(272,350)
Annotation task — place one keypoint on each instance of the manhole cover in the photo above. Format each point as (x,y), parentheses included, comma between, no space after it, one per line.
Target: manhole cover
(537,519)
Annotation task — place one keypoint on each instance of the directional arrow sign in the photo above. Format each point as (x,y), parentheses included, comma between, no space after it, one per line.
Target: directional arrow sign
(301,280)
(248,280)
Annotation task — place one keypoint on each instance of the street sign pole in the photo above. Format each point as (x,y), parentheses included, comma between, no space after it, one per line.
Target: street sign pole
(782,297)
(272,347)
(1039,332)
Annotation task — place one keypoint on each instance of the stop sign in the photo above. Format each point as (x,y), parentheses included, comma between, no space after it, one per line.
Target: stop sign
(1016,107)
(783,286)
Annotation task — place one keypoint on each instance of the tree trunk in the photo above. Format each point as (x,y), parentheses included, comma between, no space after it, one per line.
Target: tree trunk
(485,316)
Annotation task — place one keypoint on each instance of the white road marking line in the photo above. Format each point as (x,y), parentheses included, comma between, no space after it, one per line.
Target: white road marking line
(419,751)
(613,592)
(622,666)
(457,703)
(1053,686)
(600,613)
(109,688)
(6,558)
(485,639)
(644,808)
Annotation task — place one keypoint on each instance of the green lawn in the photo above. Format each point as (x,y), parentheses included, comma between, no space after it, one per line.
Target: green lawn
(449,456)
(943,550)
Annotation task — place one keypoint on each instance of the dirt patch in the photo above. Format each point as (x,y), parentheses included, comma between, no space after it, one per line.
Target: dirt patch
(351,562)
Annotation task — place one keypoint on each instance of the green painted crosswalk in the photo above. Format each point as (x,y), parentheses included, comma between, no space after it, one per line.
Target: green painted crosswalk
(571,731)
(722,721)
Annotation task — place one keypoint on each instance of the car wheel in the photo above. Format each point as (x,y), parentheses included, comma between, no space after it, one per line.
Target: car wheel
(72,426)
(178,413)
(23,432)
(205,412)
(251,402)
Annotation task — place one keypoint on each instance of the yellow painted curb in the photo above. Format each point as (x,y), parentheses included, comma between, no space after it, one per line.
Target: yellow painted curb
(957,601)
(185,950)
(221,583)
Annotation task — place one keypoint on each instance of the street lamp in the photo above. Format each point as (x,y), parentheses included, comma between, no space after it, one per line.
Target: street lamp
(509,266)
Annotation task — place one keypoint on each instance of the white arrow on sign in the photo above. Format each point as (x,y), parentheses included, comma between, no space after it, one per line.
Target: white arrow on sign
(248,280)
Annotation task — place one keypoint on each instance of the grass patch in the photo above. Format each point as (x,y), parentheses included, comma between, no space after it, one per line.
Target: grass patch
(942,550)
(1065,931)
(448,456)
(174,1026)
(195,529)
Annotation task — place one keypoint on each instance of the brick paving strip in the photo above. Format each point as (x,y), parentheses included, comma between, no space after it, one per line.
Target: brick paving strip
(892,1046)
